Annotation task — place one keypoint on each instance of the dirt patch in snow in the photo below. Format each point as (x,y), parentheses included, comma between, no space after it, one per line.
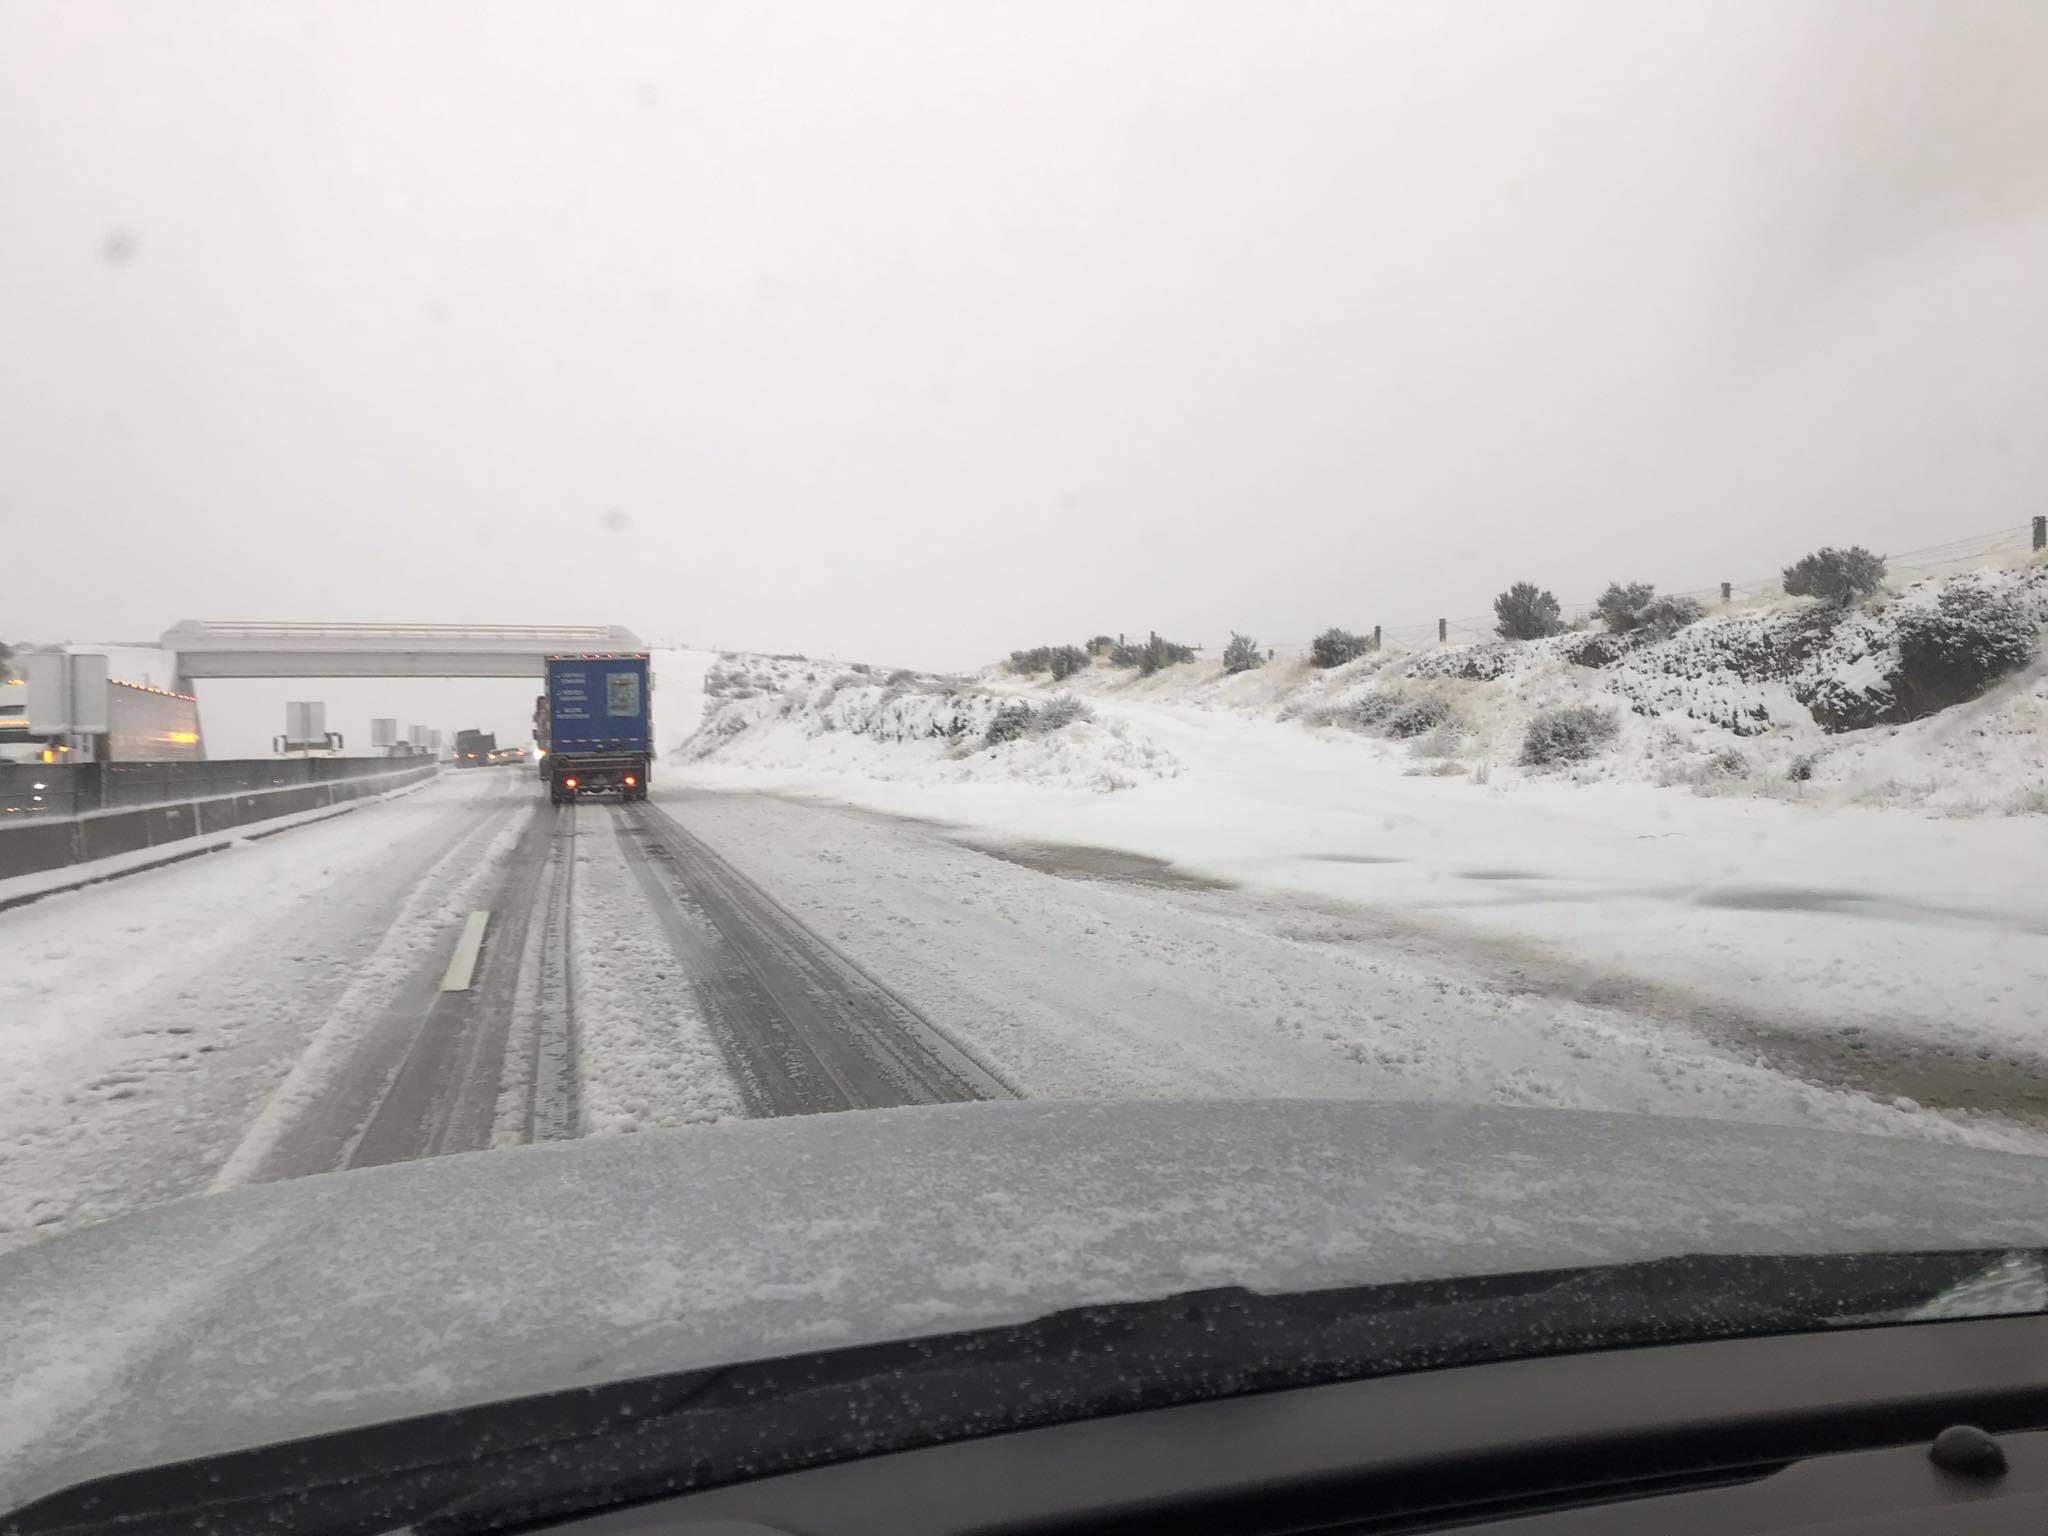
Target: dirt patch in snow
(1075,861)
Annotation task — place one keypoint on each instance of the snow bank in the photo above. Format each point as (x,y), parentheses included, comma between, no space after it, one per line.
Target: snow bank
(785,713)
(678,695)
(1878,705)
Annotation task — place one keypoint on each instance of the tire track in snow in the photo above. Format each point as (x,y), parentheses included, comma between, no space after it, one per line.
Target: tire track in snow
(804,1027)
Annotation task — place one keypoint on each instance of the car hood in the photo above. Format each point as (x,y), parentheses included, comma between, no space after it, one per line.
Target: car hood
(229,1321)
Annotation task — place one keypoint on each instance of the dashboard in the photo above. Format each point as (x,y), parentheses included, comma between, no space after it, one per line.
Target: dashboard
(1833,1432)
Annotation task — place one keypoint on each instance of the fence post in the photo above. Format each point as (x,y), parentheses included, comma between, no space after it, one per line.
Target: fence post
(1727,590)
(1375,637)
(2041,533)
(1443,630)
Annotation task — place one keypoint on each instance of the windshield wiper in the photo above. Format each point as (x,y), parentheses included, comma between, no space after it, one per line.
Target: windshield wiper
(504,1464)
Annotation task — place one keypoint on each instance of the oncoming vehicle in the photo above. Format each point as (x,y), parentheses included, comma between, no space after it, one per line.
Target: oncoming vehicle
(475,749)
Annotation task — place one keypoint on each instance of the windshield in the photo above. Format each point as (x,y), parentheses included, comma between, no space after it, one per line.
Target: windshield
(686,685)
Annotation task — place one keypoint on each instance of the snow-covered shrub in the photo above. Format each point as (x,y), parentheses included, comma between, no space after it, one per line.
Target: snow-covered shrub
(1444,741)
(2031,801)
(1624,609)
(1062,661)
(1242,654)
(1334,646)
(1800,769)
(1595,650)
(1570,733)
(1151,656)
(1957,649)
(1318,714)
(1018,719)
(1728,762)
(1480,663)
(1373,708)
(1059,712)
(1010,723)
(1418,716)
(1837,576)
(1666,616)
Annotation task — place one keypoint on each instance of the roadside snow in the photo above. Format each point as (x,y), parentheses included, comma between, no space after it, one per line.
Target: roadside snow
(1855,944)
(781,713)
(678,701)
(1091,988)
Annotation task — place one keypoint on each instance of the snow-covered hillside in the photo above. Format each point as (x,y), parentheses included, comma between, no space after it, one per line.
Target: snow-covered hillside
(787,712)
(1879,705)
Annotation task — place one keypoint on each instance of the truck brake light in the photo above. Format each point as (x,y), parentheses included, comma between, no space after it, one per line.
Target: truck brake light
(631,781)
(570,783)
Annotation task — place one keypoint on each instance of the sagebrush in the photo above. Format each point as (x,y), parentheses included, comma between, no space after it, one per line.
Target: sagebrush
(1569,733)
(1837,576)
(1242,654)
(1525,613)
(1334,646)
(1062,661)
(1954,651)
(1018,719)
(1148,658)
(1625,608)
(1418,716)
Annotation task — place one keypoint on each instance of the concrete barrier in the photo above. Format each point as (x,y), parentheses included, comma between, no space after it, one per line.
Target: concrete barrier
(37,844)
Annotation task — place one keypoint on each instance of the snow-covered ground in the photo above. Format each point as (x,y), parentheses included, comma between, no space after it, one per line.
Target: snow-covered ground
(1092,988)
(1874,945)
(151,1022)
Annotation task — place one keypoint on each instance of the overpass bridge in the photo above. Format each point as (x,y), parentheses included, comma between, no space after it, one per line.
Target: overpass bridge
(238,649)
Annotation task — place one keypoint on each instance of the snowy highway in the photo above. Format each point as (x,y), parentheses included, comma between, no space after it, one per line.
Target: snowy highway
(461,967)
(464,966)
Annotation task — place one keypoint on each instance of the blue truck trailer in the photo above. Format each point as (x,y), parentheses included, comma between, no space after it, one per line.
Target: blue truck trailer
(600,726)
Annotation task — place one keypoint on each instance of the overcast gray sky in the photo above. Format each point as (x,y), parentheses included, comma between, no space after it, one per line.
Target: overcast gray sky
(916,332)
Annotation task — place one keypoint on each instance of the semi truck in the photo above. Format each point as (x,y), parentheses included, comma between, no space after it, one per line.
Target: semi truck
(600,725)
(473,749)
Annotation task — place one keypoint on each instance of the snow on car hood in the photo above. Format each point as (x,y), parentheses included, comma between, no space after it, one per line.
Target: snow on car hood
(228,1321)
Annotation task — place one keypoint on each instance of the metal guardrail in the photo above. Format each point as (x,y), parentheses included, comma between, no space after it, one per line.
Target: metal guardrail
(31,844)
(46,790)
